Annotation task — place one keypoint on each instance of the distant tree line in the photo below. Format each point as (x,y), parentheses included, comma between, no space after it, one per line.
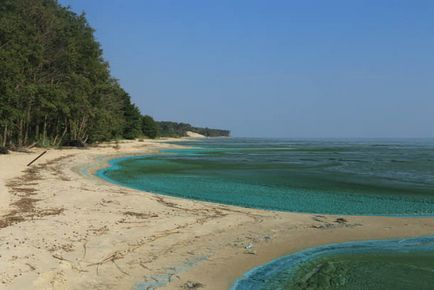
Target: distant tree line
(174,129)
(55,87)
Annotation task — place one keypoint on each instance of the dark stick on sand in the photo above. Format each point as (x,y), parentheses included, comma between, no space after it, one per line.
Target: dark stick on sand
(40,155)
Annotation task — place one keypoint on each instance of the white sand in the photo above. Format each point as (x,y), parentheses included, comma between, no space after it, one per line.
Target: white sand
(194,135)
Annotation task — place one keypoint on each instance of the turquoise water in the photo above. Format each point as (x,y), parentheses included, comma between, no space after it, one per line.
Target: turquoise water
(386,265)
(368,177)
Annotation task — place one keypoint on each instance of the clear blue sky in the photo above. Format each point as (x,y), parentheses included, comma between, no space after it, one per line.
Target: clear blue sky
(268,68)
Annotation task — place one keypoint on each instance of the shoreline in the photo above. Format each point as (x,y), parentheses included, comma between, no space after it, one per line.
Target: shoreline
(82,232)
(113,160)
(258,275)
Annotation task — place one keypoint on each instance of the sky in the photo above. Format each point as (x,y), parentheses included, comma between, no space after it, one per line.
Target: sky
(275,68)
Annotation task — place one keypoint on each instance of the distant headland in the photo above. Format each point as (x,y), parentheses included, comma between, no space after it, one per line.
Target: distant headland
(173,129)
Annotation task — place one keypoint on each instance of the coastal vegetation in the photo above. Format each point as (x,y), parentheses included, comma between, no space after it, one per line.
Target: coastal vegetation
(150,127)
(173,129)
(56,87)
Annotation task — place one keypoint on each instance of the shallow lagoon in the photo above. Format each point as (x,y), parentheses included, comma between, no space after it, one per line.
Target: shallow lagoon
(360,177)
(387,265)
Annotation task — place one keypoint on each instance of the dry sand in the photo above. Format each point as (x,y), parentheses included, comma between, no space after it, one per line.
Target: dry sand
(63,228)
(194,135)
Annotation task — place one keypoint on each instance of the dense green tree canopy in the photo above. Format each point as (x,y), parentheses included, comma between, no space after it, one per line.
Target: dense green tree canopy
(55,85)
(150,127)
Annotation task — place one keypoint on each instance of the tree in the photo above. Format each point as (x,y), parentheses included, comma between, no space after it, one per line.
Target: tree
(56,88)
(54,83)
(149,127)
(133,122)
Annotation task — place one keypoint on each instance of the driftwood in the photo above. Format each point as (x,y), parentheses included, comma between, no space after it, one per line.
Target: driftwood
(32,145)
(23,149)
(40,155)
(112,258)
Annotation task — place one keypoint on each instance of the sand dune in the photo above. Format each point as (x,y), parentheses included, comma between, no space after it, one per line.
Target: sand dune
(194,134)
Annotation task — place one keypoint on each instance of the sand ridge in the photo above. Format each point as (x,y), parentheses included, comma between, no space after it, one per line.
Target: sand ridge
(63,228)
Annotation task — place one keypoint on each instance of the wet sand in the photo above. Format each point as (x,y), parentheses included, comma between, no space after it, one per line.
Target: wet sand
(63,228)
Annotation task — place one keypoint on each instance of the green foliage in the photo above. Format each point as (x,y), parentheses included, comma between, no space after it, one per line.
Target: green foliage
(173,129)
(54,84)
(149,127)
(56,88)
(133,120)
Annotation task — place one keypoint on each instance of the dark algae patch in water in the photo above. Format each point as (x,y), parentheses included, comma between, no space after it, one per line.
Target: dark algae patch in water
(385,265)
(386,271)
(367,177)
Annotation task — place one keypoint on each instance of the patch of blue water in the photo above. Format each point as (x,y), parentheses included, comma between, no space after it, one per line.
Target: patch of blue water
(329,177)
(263,276)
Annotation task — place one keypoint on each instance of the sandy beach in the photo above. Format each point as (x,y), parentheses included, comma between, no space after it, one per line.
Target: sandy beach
(63,228)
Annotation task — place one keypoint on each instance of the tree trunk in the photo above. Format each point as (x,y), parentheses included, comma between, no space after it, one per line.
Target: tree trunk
(5,135)
(20,133)
(27,125)
(37,132)
(44,134)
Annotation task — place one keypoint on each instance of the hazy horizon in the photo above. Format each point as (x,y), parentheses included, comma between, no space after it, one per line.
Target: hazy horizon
(290,69)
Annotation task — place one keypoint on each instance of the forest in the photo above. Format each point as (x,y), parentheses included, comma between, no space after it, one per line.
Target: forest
(174,129)
(55,86)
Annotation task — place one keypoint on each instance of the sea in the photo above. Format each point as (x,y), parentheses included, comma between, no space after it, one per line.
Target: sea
(375,177)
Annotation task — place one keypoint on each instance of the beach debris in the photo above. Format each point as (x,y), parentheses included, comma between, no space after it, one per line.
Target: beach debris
(140,215)
(268,238)
(31,266)
(10,220)
(318,218)
(112,258)
(84,250)
(40,155)
(341,221)
(338,222)
(21,149)
(323,226)
(99,231)
(192,285)
(249,249)
(4,150)
(22,187)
